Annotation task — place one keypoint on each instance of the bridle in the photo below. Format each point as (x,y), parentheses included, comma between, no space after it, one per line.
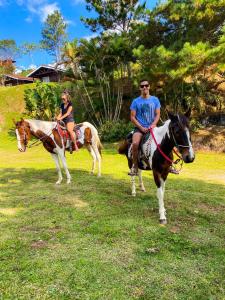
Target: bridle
(25,139)
(172,133)
(172,162)
(35,143)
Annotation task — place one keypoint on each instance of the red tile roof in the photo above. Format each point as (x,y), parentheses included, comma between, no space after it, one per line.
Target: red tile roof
(14,76)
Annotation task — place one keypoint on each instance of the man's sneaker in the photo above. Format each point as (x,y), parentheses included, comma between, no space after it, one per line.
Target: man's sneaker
(173,171)
(71,148)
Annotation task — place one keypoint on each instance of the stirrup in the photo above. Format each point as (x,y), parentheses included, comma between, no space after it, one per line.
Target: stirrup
(133,172)
(71,148)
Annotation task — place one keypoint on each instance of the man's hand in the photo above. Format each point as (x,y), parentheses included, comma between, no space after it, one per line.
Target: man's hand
(153,126)
(144,130)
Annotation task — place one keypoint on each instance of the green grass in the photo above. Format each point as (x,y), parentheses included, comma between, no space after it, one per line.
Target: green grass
(11,104)
(93,240)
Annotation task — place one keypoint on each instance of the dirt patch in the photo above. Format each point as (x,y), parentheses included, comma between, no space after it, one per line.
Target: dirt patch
(39,244)
(175,229)
(210,139)
(211,209)
(73,201)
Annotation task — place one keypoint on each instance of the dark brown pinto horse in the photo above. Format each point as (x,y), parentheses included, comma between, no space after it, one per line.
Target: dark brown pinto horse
(48,134)
(156,153)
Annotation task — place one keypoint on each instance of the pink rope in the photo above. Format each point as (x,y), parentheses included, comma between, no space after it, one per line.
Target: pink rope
(158,147)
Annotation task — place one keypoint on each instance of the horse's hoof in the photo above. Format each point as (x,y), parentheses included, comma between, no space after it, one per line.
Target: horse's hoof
(133,194)
(58,182)
(143,190)
(68,181)
(163,222)
(99,175)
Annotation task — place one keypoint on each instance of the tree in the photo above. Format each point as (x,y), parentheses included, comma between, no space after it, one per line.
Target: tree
(8,52)
(29,48)
(54,34)
(116,15)
(186,39)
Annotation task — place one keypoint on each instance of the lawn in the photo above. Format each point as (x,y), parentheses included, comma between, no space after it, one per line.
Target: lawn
(93,240)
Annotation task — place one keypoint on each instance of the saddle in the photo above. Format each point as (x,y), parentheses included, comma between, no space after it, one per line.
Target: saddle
(63,132)
(143,162)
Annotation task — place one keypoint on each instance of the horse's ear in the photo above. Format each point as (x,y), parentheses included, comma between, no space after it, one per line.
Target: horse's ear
(170,115)
(188,113)
(22,120)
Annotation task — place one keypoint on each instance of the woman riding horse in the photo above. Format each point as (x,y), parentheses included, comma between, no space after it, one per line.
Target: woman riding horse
(66,115)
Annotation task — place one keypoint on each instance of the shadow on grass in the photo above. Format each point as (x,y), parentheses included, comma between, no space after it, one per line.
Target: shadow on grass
(109,196)
(104,244)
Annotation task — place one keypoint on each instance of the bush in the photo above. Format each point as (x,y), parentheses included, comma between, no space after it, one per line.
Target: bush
(115,131)
(42,101)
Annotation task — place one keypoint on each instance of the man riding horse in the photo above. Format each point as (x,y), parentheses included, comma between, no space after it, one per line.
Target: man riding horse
(145,114)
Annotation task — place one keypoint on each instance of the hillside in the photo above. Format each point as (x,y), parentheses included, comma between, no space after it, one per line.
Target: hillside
(11,104)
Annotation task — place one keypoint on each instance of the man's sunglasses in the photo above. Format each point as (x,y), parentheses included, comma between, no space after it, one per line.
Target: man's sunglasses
(144,85)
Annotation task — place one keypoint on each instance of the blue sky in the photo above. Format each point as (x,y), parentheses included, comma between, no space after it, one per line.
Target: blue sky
(22,20)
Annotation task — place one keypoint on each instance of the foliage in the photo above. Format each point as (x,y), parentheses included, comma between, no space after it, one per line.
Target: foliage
(54,34)
(114,131)
(43,101)
(186,46)
(8,50)
(29,48)
(114,15)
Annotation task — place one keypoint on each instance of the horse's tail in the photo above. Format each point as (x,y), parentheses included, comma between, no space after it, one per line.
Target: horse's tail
(123,147)
(94,133)
(99,145)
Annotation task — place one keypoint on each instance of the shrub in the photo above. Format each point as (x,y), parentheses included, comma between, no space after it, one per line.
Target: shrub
(42,101)
(114,131)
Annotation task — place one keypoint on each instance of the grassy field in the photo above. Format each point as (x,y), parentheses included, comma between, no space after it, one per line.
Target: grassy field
(92,240)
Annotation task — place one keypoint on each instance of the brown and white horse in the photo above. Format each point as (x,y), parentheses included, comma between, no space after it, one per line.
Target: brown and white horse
(156,154)
(47,133)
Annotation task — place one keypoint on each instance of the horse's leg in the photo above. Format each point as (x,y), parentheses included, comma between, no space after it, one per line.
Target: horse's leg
(57,164)
(133,187)
(63,159)
(89,148)
(141,184)
(98,157)
(160,195)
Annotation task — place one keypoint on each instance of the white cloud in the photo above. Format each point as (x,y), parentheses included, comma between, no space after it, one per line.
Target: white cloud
(40,8)
(70,22)
(47,9)
(29,19)
(19,69)
(77,2)
(32,66)
(89,37)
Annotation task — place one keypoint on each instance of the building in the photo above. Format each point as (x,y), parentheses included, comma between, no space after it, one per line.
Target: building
(47,73)
(13,79)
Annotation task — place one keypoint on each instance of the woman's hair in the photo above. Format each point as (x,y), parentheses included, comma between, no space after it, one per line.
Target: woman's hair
(67,93)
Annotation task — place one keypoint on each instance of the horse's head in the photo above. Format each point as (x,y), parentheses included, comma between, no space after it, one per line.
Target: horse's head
(23,134)
(180,134)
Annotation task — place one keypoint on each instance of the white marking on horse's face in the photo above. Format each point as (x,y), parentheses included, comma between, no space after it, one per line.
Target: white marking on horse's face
(191,155)
(20,146)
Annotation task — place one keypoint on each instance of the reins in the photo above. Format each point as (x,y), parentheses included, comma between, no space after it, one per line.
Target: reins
(38,141)
(172,162)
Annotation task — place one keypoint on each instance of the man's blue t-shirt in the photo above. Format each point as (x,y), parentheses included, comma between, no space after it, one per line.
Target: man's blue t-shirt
(145,109)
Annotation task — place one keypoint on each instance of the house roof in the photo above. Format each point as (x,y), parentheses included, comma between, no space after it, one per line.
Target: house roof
(51,67)
(18,77)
